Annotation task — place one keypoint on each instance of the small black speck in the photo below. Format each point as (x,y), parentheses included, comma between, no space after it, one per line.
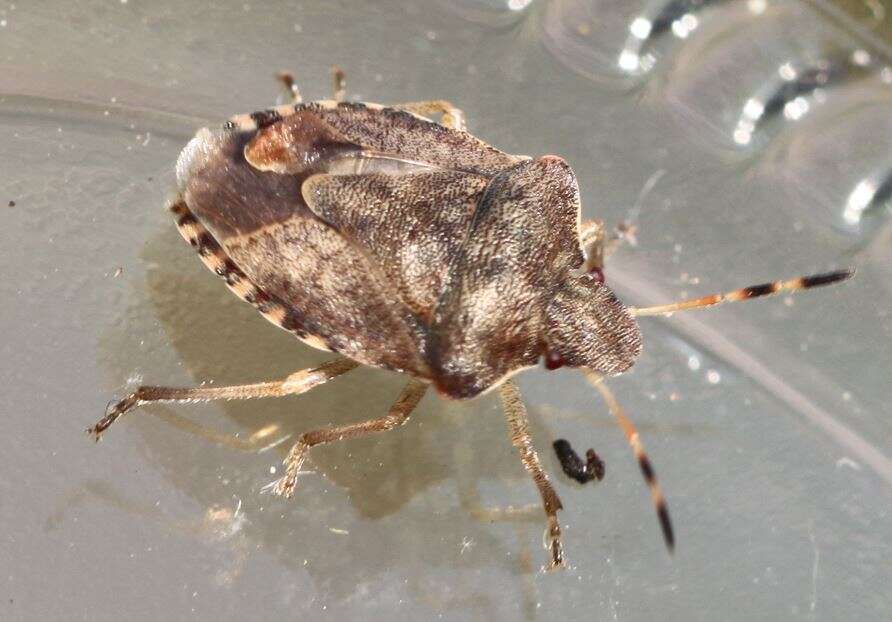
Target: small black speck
(12,204)
(150,179)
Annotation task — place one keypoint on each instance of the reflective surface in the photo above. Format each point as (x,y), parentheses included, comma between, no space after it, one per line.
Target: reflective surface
(768,422)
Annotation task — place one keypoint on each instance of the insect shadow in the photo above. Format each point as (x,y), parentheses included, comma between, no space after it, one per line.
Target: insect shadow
(436,461)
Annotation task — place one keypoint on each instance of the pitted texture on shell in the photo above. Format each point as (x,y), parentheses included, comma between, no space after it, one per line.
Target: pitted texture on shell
(405,135)
(586,326)
(521,245)
(406,245)
(334,293)
(413,225)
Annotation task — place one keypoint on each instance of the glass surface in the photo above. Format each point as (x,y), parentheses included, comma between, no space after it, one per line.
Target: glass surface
(768,422)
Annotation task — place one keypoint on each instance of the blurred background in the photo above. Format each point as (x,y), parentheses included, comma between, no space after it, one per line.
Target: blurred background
(744,139)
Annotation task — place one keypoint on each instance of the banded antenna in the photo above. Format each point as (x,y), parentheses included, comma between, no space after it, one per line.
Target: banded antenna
(745,293)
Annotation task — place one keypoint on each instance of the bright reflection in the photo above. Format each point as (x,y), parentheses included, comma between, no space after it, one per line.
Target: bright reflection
(757,7)
(859,200)
(640,28)
(743,133)
(753,108)
(684,25)
(787,72)
(861,58)
(629,61)
(518,5)
(796,108)
(264,432)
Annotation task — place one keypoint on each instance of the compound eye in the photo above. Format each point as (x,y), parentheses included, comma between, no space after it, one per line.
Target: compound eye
(553,360)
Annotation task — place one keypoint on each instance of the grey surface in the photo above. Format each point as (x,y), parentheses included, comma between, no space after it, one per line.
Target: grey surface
(768,422)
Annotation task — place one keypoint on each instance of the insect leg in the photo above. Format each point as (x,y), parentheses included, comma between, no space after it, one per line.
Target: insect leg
(593,241)
(340,83)
(298,382)
(598,245)
(516,414)
(638,448)
(287,79)
(398,415)
(450,116)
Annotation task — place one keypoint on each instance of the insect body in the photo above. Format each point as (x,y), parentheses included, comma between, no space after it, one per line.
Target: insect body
(403,243)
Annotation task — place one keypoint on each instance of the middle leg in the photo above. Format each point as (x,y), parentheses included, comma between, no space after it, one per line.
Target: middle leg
(398,415)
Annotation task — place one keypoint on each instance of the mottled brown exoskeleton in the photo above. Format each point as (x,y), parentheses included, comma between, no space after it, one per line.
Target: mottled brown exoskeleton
(399,242)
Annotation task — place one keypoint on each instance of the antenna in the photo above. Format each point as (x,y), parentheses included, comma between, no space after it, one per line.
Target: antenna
(745,293)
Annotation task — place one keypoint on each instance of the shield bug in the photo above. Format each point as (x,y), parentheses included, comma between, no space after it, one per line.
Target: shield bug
(405,243)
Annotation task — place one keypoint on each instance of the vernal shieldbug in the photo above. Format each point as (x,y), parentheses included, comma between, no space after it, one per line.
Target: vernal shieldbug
(400,242)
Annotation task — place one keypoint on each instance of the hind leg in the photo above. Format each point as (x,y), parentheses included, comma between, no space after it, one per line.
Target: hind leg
(398,415)
(298,382)
(450,116)
(338,77)
(287,80)
(339,86)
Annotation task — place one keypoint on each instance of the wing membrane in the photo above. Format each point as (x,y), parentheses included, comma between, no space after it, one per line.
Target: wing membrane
(412,224)
(334,295)
(522,242)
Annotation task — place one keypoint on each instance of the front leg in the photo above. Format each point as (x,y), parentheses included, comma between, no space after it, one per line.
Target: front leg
(516,414)
(598,245)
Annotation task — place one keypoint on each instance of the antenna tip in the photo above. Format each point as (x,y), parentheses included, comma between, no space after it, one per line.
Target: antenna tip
(666,526)
(828,278)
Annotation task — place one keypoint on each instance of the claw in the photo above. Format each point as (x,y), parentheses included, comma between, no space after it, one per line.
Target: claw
(95,432)
(112,412)
(284,487)
(552,537)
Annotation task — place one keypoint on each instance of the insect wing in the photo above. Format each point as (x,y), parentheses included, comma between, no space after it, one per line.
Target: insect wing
(413,224)
(406,136)
(522,241)
(333,296)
